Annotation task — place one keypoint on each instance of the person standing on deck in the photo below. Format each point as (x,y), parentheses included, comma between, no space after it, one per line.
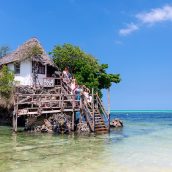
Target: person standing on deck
(87,96)
(78,91)
(66,76)
(73,85)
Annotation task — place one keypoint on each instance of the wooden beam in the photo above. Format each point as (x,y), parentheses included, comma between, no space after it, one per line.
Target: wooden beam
(15,119)
(109,109)
(73,121)
(73,113)
(93,110)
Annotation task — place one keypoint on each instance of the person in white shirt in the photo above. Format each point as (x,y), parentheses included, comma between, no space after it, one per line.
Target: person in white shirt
(73,84)
(66,76)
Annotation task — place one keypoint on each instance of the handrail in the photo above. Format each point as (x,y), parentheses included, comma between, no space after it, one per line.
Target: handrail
(66,87)
(89,107)
(88,114)
(101,106)
(23,95)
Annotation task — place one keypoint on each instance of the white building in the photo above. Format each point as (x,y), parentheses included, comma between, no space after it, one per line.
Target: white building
(30,63)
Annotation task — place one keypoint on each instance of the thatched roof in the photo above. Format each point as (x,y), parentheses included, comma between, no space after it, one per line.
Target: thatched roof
(23,51)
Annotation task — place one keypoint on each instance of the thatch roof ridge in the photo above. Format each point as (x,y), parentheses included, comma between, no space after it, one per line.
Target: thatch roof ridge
(21,53)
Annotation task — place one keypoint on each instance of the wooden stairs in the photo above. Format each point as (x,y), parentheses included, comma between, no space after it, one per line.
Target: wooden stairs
(94,118)
(100,126)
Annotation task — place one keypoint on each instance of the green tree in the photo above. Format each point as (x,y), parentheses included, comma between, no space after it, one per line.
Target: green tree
(85,68)
(6,80)
(4,50)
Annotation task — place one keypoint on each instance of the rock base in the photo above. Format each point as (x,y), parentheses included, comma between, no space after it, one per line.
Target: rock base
(58,123)
(116,123)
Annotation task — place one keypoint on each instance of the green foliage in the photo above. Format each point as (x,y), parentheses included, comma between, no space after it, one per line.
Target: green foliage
(4,50)
(33,52)
(85,68)
(36,51)
(6,80)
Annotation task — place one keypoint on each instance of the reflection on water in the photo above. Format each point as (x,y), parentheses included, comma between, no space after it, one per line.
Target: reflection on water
(144,144)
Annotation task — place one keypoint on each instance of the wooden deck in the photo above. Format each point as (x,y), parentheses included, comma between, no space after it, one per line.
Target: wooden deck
(59,99)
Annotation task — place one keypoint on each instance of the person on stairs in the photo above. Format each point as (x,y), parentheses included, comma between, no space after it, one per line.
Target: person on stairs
(66,76)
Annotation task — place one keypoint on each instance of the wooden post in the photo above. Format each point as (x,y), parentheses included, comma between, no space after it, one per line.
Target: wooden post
(14,121)
(73,113)
(81,108)
(62,103)
(15,115)
(14,112)
(73,120)
(46,70)
(60,85)
(93,109)
(32,102)
(109,109)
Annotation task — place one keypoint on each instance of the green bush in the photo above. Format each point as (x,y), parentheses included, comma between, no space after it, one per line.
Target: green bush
(6,82)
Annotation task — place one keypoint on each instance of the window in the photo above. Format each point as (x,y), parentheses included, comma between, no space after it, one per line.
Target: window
(38,68)
(17,68)
(41,69)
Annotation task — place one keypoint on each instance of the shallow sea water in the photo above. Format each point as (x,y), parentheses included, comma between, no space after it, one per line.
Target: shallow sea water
(144,144)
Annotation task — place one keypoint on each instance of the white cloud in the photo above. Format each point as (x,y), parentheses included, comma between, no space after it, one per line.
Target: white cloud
(129,29)
(156,15)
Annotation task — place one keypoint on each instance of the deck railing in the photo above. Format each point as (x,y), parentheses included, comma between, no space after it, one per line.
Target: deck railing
(47,101)
(27,99)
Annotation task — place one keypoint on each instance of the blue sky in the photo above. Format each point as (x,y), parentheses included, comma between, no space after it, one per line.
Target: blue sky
(133,37)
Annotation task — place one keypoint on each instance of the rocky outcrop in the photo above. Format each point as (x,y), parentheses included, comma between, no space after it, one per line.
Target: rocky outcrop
(116,123)
(5,116)
(58,123)
(82,127)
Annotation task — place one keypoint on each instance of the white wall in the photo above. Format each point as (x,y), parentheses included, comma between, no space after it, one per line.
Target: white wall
(25,76)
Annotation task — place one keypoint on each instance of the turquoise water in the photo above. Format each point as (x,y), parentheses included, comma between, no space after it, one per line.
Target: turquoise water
(143,145)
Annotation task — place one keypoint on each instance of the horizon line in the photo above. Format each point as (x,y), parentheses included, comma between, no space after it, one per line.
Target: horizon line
(141,110)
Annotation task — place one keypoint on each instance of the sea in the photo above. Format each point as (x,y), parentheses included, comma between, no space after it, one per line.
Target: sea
(144,144)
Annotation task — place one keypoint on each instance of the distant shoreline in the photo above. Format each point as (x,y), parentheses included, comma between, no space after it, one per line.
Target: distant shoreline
(150,111)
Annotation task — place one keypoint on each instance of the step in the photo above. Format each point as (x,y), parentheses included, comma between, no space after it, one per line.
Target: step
(100,126)
(99,122)
(98,117)
(101,129)
(102,132)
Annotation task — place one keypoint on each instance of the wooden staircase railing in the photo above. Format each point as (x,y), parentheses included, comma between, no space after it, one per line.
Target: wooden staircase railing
(101,107)
(96,116)
(89,116)
(66,88)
